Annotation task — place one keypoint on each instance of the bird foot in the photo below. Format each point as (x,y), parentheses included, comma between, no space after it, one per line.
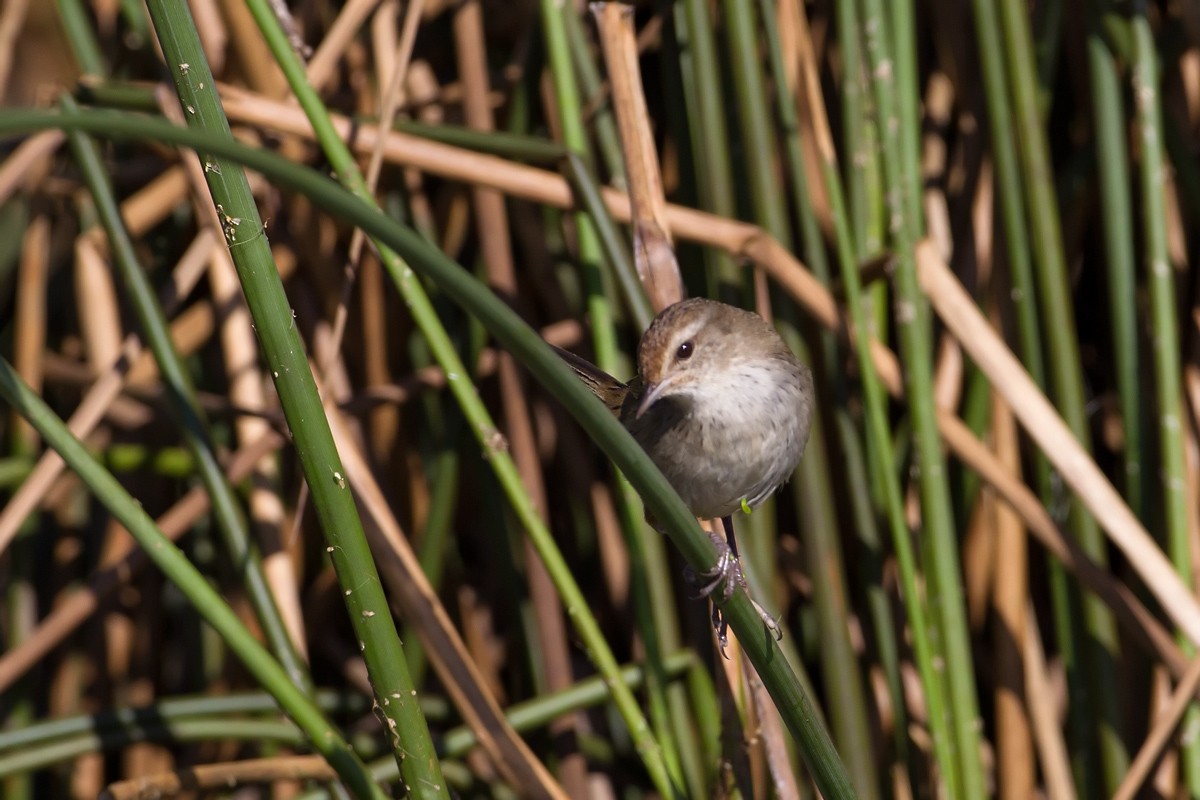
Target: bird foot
(728,575)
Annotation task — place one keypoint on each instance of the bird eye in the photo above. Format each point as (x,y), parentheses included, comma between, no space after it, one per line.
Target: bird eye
(685,350)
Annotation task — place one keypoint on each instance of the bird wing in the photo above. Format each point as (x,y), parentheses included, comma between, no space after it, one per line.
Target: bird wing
(610,390)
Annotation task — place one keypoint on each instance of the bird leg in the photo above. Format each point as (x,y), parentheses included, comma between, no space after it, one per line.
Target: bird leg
(728,574)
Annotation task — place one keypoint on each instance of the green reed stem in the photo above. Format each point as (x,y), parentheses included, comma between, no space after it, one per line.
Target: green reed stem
(912,324)
(1164,321)
(1099,651)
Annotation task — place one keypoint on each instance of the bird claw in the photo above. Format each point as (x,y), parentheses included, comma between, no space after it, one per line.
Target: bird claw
(721,628)
(728,570)
(772,622)
(727,574)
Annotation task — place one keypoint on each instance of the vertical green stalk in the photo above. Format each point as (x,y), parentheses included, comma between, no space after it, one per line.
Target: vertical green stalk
(77,24)
(704,96)
(181,395)
(1054,299)
(883,473)
(859,140)
(1048,27)
(615,248)
(284,351)
(901,16)
(594,97)
(912,324)
(1112,161)
(1165,334)
(1008,182)
(757,138)
(843,678)
(812,243)
(1065,598)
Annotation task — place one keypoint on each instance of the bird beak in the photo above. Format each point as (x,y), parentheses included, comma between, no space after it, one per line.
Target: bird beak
(652,393)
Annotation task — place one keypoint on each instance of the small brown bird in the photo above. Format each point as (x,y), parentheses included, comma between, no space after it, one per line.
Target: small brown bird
(719,404)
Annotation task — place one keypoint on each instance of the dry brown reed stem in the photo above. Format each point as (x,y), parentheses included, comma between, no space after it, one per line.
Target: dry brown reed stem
(939,107)
(561,334)
(96,298)
(1161,732)
(1016,769)
(1016,766)
(746,241)
(214,37)
(85,417)
(385,24)
(948,373)
(1043,710)
(323,66)
(12,20)
(383,421)
(259,68)
(939,100)
(421,607)
(372,295)
(77,606)
(654,252)
(1191,426)
(190,331)
(799,58)
(1191,369)
(1192,466)
(29,319)
(1043,423)
(98,399)
(28,161)
(221,778)
(978,558)
(392,100)
(614,556)
(148,206)
(784,785)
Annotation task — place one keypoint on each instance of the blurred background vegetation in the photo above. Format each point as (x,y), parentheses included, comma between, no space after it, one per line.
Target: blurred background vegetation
(975,607)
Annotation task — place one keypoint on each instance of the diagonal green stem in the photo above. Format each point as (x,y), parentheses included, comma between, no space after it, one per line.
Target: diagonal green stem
(366,604)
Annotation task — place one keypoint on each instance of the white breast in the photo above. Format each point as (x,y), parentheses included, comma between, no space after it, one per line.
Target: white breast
(746,435)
